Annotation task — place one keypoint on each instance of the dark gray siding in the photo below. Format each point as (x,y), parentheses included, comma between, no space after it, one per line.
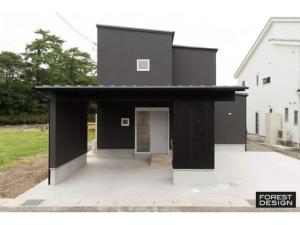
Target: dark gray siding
(194,66)
(111,135)
(68,131)
(118,51)
(231,129)
(193,132)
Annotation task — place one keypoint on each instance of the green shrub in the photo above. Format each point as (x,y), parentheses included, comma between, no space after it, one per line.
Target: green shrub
(91,117)
(23,119)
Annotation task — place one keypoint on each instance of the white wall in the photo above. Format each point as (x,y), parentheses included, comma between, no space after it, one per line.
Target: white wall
(282,63)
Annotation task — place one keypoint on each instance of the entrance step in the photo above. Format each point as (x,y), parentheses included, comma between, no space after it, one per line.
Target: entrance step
(161,160)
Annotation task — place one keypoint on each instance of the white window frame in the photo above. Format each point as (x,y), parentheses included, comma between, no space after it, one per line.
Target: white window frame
(123,124)
(137,64)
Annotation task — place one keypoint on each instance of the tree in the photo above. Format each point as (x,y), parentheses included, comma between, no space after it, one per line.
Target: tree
(44,58)
(79,67)
(44,62)
(49,63)
(11,66)
(13,88)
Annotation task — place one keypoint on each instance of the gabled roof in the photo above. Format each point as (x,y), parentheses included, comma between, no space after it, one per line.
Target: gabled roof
(136,29)
(261,36)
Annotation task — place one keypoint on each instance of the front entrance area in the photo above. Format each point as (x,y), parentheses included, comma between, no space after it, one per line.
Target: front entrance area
(152,130)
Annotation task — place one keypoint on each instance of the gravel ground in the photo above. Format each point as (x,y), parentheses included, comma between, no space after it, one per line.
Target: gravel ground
(29,172)
(259,146)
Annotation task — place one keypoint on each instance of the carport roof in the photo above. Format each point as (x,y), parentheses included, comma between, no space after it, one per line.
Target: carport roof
(140,93)
(139,87)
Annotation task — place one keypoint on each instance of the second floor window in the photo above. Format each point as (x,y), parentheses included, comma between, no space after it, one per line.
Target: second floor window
(286,114)
(143,65)
(296,117)
(267,80)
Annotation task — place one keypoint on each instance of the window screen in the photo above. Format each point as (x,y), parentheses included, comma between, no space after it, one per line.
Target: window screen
(143,64)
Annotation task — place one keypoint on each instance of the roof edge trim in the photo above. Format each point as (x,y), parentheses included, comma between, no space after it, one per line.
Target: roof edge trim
(196,48)
(260,37)
(136,29)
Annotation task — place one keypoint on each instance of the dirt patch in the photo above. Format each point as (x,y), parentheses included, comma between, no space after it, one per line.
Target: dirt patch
(29,172)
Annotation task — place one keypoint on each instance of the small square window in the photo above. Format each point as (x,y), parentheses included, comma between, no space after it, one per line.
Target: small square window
(125,122)
(267,80)
(143,65)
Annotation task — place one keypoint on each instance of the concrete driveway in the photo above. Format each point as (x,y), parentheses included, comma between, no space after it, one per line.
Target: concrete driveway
(238,175)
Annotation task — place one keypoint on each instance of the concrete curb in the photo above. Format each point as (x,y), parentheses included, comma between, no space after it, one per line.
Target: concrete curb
(143,209)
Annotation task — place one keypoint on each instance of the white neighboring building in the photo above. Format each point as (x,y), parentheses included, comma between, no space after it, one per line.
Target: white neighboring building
(271,70)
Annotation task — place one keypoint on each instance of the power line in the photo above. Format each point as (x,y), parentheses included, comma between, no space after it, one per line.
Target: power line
(91,42)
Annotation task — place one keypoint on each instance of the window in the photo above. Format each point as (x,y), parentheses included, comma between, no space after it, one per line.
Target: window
(271,110)
(286,114)
(243,83)
(267,80)
(256,123)
(295,117)
(143,65)
(257,80)
(125,122)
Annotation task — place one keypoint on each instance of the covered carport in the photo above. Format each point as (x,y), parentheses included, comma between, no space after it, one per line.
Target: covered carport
(193,123)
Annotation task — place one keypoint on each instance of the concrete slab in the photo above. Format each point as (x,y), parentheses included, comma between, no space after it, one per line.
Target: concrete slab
(32,202)
(239,203)
(238,175)
(61,202)
(4,201)
(164,202)
(210,202)
(89,202)
(183,202)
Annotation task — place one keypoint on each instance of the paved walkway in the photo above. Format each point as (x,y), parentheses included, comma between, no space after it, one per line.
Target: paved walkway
(131,185)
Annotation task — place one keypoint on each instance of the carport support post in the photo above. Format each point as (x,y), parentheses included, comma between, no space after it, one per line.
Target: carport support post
(67,137)
(193,150)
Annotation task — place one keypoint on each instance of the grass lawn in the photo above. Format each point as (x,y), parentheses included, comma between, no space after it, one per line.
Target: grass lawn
(91,136)
(16,144)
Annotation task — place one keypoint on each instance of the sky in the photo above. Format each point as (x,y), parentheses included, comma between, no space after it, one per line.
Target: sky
(231,26)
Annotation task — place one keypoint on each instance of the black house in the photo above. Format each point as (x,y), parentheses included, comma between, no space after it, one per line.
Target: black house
(153,98)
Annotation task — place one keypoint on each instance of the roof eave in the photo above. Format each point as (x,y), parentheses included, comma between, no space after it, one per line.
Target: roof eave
(136,29)
(254,46)
(196,48)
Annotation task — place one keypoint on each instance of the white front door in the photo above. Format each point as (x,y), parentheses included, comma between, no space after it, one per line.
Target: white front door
(159,132)
(152,130)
